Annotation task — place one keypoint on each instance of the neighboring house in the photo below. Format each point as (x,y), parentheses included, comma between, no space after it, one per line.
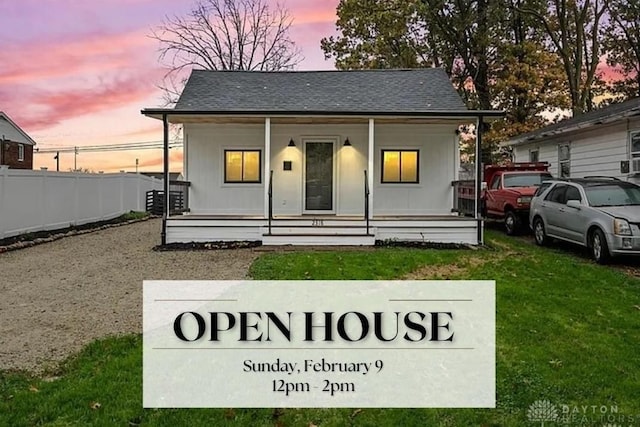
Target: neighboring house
(16,147)
(173,176)
(601,142)
(320,157)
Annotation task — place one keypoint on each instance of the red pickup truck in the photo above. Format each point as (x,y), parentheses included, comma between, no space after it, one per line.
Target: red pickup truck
(509,191)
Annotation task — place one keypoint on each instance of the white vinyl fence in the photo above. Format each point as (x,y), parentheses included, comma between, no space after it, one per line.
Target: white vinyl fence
(43,200)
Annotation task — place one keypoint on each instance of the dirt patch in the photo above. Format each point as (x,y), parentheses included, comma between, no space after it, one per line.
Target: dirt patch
(476,261)
(435,272)
(58,297)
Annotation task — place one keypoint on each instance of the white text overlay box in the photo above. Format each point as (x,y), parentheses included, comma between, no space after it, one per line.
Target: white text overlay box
(403,344)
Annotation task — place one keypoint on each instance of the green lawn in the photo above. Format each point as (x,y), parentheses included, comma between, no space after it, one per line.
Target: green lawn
(568,331)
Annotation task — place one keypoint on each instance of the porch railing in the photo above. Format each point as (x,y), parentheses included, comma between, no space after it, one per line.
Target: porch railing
(270,192)
(464,197)
(366,199)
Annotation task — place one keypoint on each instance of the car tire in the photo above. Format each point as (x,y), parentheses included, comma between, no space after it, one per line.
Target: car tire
(598,247)
(512,223)
(539,233)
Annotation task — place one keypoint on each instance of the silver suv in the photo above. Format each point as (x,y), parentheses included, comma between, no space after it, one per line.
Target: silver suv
(600,213)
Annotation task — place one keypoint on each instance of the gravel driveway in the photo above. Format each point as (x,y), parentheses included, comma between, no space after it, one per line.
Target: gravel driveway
(57,297)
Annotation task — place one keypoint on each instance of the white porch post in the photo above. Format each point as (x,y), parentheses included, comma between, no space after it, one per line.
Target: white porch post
(267,163)
(478,182)
(371,172)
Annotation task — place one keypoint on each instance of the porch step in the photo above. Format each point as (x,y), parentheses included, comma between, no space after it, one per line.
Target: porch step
(318,222)
(308,239)
(319,230)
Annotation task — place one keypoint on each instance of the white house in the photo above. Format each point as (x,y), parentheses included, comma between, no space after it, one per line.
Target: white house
(320,157)
(601,142)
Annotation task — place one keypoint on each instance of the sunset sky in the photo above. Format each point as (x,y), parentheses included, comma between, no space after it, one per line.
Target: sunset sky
(78,72)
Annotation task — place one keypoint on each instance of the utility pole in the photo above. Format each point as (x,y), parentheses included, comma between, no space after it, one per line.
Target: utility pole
(57,157)
(75,159)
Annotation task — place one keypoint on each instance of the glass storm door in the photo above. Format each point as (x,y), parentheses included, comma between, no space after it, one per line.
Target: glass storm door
(318,176)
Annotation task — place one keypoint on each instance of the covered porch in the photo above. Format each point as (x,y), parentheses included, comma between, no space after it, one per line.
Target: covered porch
(351,204)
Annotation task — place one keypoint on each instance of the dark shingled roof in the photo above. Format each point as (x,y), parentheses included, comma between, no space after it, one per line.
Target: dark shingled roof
(603,115)
(360,91)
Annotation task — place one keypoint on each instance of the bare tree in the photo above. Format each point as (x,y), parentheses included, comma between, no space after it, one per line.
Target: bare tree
(225,35)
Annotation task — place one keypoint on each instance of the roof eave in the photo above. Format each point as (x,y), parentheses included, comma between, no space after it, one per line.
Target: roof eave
(487,115)
(18,128)
(541,135)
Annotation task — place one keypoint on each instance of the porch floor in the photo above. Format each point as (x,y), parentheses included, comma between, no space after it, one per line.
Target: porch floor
(321,216)
(317,229)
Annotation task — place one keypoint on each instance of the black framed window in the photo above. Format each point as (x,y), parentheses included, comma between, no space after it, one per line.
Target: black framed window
(242,166)
(564,160)
(400,166)
(634,143)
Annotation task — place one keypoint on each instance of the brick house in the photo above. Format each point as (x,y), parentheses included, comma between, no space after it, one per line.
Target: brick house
(16,147)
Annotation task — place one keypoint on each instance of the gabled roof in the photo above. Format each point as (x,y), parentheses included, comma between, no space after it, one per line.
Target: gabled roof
(12,132)
(604,115)
(393,92)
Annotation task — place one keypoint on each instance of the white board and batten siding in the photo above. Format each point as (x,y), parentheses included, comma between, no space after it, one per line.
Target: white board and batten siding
(594,151)
(431,196)
(208,193)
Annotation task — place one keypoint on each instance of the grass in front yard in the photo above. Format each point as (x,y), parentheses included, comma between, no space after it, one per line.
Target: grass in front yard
(567,330)
(131,215)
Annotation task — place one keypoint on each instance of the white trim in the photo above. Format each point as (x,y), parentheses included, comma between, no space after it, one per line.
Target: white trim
(370,166)
(560,162)
(477,168)
(21,152)
(334,140)
(630,145)
(185,155)
(267,163)
(23,133)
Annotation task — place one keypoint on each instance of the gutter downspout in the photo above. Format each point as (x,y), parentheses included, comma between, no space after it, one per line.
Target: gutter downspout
(165,208)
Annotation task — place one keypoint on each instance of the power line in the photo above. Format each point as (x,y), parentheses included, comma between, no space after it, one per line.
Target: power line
(61,147)
(110,147)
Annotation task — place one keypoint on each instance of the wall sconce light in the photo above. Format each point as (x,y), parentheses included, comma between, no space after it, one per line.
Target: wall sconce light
(347,143)
(291,143)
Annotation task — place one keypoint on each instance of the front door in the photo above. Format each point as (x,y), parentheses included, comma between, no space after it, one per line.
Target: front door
(318,180)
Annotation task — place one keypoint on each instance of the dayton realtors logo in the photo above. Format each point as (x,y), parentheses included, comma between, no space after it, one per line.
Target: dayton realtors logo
(543,411)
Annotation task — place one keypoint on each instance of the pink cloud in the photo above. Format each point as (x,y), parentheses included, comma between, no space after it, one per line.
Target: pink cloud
(65,58)
(68,65)
(38,109)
